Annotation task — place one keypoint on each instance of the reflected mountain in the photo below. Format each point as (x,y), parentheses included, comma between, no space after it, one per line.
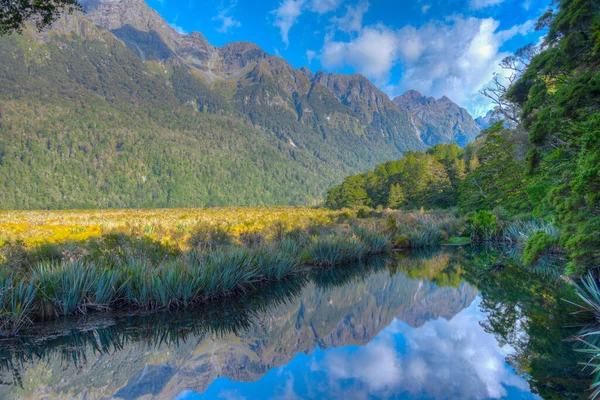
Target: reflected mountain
(131,356)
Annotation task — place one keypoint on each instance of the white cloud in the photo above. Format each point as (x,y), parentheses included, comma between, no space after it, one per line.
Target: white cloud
(176,27)
(324,6)
(311,55)
(441,359)
(288,12)
(425,8)
(352,20)
(227,21)
(371,53)
(479,4)
(286,16)
(456,58)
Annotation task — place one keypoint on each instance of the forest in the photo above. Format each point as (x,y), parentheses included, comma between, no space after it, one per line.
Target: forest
(540,161)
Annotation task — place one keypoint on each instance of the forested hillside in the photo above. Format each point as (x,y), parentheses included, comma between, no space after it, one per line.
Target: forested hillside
(113,108)
(546,167)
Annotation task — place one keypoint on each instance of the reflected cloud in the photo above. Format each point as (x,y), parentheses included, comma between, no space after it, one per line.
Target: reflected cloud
(441,359)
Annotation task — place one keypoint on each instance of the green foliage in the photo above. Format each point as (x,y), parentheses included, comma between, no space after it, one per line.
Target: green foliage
(15,14)
(416,180)
(499,176)
(483,226)
(538,244)
(16,303)
(86,123)
(459,241)
(117,271)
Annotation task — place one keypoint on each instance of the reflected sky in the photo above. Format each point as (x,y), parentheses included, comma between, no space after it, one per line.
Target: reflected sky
(441,359)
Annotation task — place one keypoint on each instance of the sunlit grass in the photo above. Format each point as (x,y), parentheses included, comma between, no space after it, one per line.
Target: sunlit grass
(171,226)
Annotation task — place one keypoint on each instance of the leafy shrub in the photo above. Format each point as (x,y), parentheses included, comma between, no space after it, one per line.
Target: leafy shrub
(539,243)
(482,226)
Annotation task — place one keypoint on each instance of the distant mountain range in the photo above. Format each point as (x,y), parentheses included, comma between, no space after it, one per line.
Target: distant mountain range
(114,108)
(438,121)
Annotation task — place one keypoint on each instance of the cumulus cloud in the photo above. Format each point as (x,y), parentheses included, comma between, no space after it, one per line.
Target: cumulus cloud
(310,55)
(479,4)
(441,359)
(455,58)
(352,21)
(324,6)
(227,21)
(371,53)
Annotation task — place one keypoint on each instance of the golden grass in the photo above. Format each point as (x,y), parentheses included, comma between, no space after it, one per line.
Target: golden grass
(172,226)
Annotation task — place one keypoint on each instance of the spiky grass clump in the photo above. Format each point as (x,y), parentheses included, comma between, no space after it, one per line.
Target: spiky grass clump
(277,265)
(589,293)
(16,304)
(426,236)
(520,231)
(71,287)
(373,242)
(128,271)
(331,250)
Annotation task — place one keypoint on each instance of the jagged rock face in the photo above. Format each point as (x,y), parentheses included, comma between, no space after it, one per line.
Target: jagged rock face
(238,55)
(438,121)
(148,35)
(355,91)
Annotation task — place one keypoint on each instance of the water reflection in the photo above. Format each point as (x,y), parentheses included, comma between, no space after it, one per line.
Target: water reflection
(440,359)
(409,327)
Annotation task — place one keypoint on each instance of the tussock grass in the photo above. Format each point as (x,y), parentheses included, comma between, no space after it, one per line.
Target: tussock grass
(117,271)
(588,291)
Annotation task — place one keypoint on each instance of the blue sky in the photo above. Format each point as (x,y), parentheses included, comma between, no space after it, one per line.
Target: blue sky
(439,47)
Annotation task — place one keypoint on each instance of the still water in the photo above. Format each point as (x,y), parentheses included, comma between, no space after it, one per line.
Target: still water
(451,324)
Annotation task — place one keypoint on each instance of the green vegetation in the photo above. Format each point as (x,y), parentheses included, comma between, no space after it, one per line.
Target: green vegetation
(544,166)
(118,271)
(43,13)
(534,181)
(85,123)
(418,179)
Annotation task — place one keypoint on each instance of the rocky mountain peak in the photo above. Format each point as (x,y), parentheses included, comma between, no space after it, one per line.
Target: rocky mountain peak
(438,121)
(306,72)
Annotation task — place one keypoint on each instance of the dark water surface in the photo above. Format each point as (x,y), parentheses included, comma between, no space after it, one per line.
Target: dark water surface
(450,324)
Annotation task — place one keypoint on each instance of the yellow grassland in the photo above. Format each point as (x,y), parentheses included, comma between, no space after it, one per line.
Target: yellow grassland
(171,226)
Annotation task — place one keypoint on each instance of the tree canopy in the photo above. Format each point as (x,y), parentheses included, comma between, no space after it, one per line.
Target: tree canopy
(14,14)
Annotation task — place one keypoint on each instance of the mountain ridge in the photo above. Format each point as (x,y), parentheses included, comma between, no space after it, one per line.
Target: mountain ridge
(122,56)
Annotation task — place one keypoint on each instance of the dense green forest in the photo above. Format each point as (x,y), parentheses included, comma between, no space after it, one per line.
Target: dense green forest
(545,167)
(86,123)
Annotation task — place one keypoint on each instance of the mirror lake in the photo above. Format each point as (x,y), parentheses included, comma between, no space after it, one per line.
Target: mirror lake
(454,323)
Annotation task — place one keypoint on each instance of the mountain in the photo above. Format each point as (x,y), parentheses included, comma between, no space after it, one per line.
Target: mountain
(485,121)
(438,121)
(114,108)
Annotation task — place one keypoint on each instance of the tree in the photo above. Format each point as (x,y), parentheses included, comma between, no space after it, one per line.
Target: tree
(14,14)
(396,197)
